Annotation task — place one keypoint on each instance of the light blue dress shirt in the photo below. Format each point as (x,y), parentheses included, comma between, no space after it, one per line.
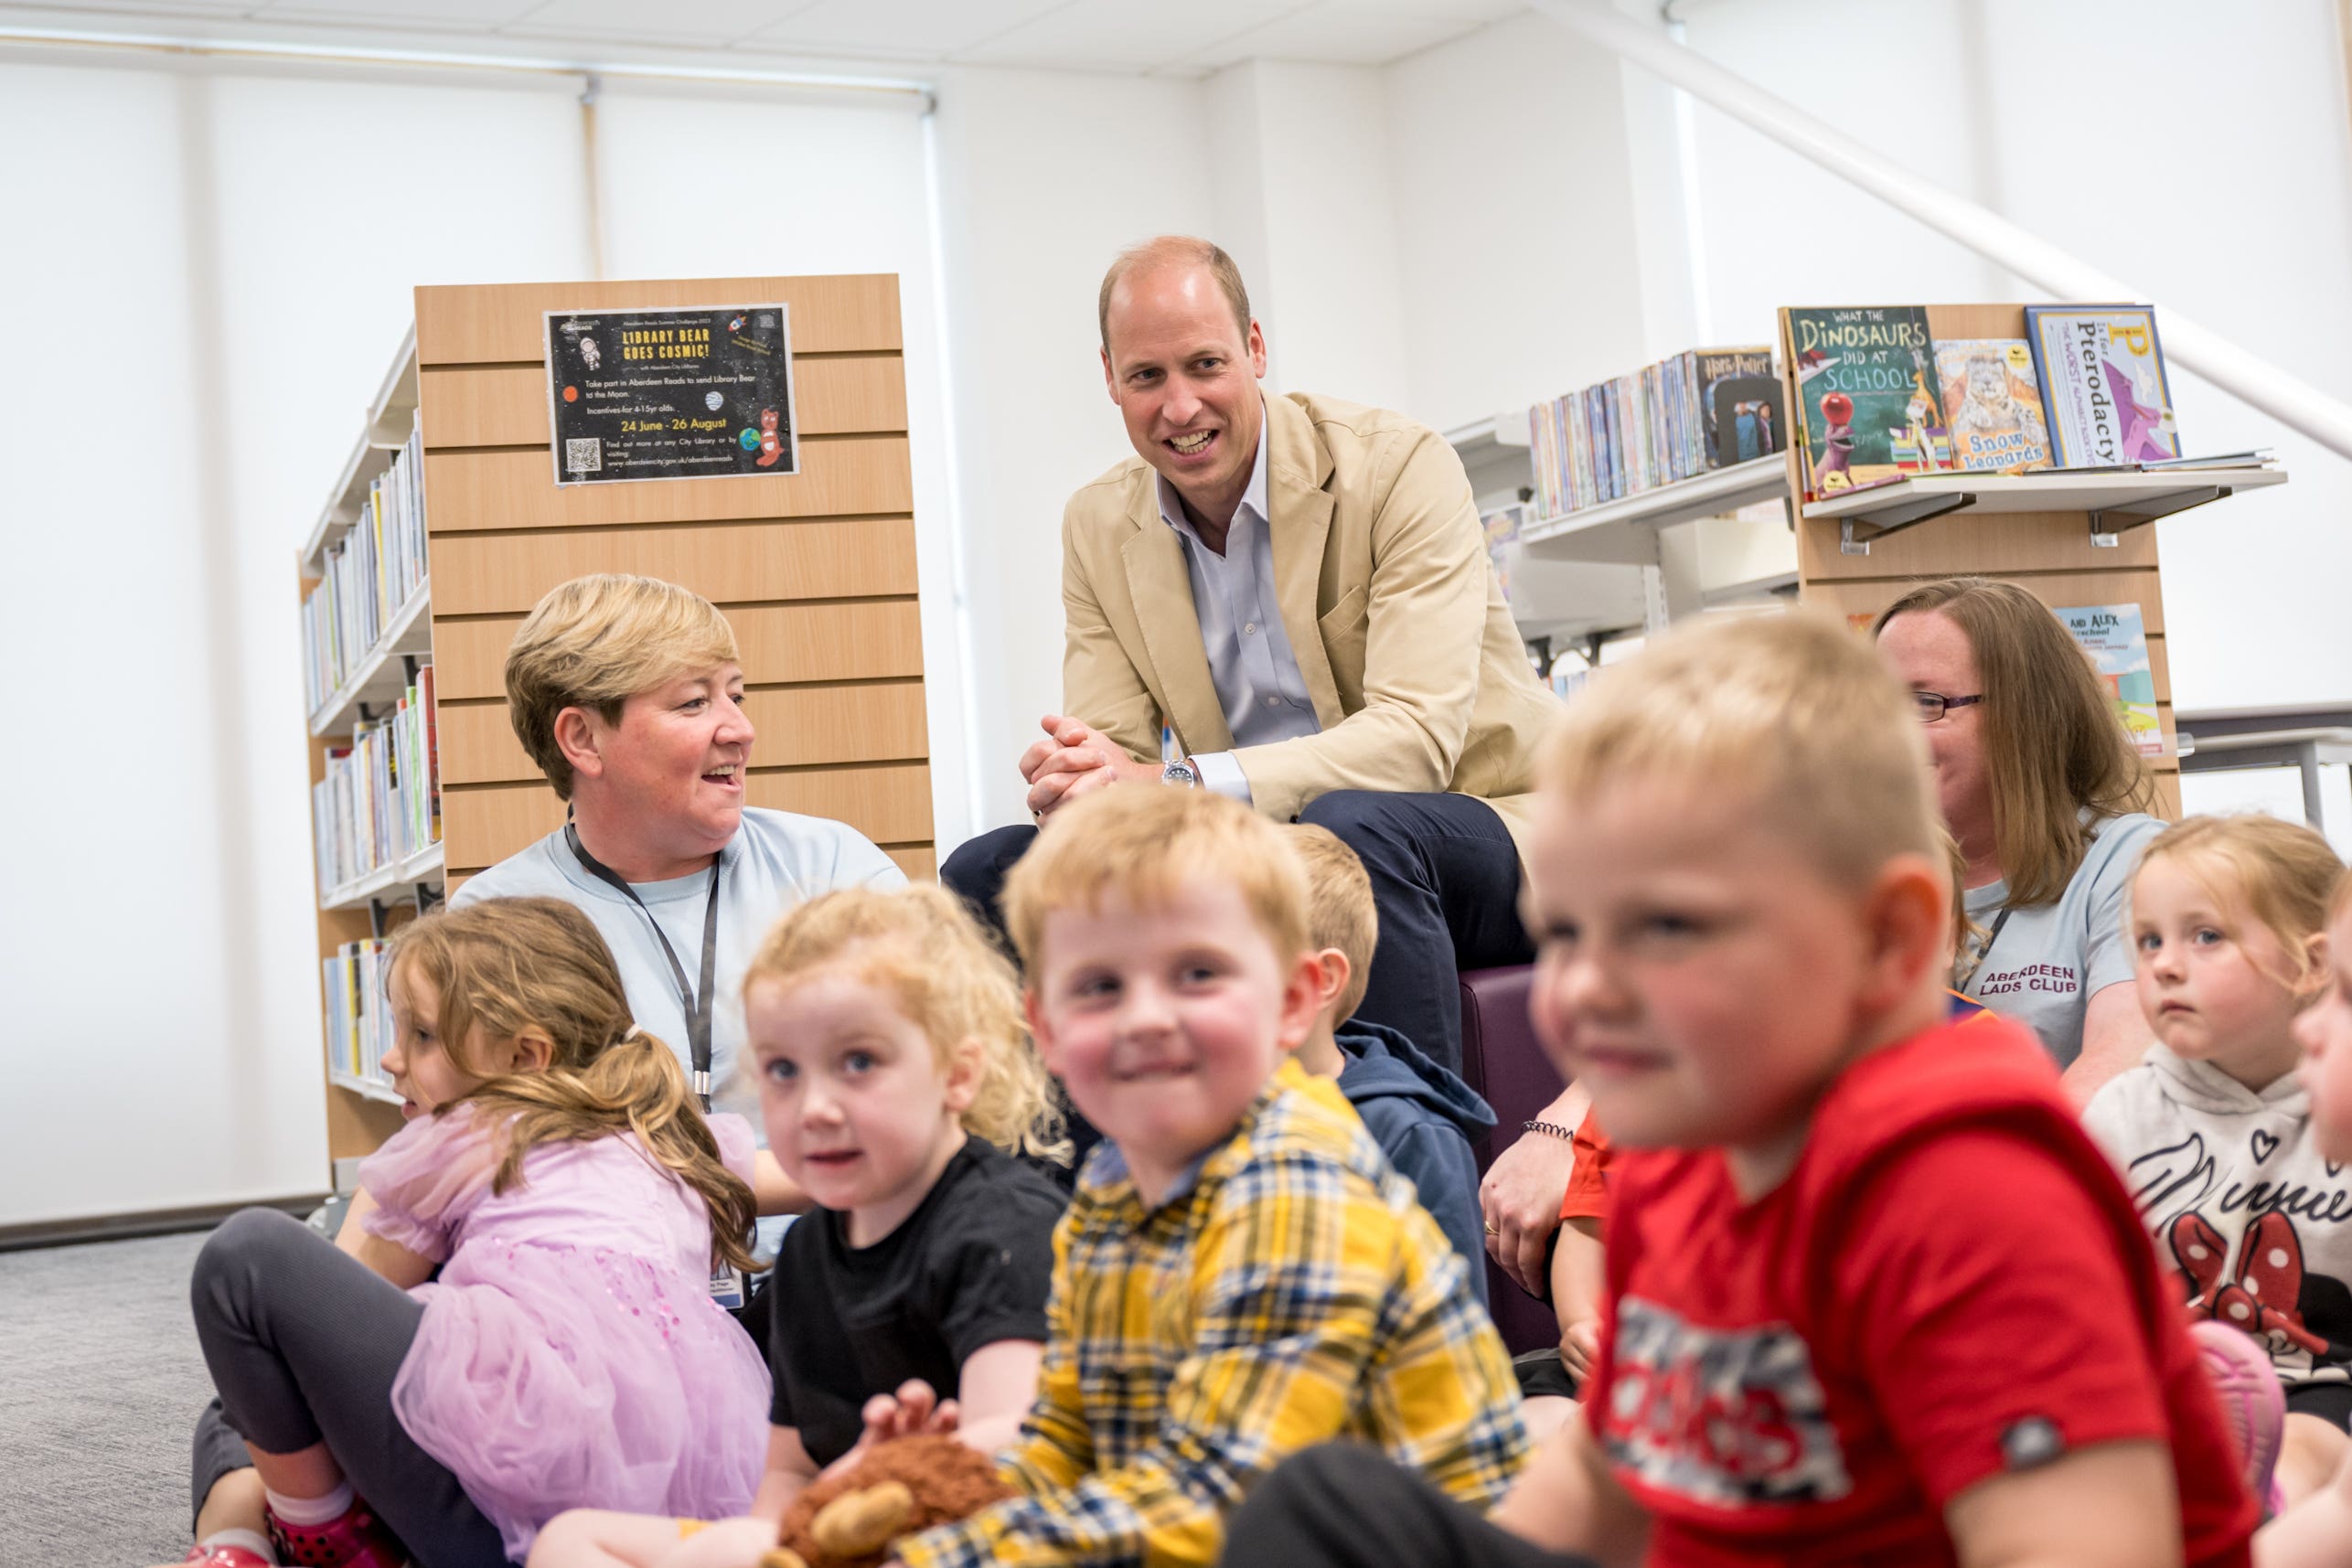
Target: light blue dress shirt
(1250,661)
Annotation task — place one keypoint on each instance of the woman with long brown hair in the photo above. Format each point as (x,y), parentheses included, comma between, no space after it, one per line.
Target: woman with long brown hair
(527,1325)
(2049,801)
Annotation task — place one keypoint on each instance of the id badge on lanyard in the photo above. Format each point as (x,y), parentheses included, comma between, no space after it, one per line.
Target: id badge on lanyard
(728,1288)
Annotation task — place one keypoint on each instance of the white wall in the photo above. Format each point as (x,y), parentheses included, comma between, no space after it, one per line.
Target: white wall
(2207,160)
(217,278)
(1514,203)
(1044,177)
(1304,202)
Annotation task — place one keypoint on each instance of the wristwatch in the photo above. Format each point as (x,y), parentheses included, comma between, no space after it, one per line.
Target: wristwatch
(1179,771)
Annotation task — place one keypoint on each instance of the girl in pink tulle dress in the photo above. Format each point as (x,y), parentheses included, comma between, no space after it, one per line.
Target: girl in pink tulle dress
(574,1201)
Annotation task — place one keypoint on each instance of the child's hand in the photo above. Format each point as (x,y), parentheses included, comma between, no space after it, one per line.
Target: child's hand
(914,1409)
(728,1543)
(1581,1347)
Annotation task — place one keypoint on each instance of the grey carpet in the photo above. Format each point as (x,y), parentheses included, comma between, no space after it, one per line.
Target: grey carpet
(100,1386)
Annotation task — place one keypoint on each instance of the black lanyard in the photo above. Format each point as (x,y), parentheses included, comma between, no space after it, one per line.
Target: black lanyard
(1993,935)
(696,1003)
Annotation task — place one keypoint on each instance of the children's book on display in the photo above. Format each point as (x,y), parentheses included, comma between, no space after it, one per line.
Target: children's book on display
(2116,639)
(1994,403)
(1870,412)
(2102,374)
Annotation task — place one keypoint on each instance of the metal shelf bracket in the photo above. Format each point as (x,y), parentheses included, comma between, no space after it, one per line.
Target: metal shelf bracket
(2107,527)
(1851,543)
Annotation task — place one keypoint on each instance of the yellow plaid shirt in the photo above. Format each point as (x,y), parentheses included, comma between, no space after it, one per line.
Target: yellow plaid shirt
(1294,1291)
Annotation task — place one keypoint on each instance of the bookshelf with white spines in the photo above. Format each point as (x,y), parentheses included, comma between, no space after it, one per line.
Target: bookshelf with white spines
(367,633)
(2071,537)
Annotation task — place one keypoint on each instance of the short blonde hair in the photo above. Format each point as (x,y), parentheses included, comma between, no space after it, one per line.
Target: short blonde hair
(918,943)
(1340,909)
(2282,873)
(1791,710)
(1174,251)
(1144,842)
(595,642)
(2054,746)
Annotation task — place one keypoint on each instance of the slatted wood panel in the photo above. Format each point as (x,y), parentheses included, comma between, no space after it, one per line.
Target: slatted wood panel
(865,639)
(864,557)
(890,803)
(2047,553)
(795,726)
(816,570)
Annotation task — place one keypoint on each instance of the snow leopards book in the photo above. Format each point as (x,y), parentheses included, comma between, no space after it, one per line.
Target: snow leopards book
(1994,403)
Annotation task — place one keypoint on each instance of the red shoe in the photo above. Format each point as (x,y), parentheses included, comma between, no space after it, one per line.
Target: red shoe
(223,1557)
(358,1540)
(2253,1405)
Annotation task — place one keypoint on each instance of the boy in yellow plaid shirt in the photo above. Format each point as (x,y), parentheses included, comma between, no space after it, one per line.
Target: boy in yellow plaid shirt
(1241,1275)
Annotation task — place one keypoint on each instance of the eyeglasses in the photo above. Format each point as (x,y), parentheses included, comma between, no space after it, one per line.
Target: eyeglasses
(1934,705)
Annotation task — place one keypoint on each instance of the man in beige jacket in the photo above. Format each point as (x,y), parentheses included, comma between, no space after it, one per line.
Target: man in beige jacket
(1287,599)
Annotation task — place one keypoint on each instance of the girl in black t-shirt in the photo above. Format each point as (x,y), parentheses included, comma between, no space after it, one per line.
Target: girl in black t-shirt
(897,1082)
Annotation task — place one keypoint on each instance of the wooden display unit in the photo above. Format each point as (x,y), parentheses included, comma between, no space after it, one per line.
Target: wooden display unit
(815,571)
(2069,538)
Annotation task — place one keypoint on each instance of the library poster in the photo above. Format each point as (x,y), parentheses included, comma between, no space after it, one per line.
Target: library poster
(679,393)
(2112,635)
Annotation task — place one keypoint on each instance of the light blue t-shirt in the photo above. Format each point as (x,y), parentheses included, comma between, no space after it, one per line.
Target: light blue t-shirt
(2049,960)
(774,861)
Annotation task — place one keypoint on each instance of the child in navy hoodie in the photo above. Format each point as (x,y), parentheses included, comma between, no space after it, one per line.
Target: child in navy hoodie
(1422,1116)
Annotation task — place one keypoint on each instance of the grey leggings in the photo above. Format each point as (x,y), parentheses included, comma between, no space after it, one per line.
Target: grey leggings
(303,1341)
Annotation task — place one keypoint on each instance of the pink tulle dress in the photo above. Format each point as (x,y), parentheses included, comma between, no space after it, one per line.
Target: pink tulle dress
(569,1354)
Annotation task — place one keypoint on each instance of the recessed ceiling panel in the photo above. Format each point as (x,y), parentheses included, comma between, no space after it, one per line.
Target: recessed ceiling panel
(1131,34)
(914,27)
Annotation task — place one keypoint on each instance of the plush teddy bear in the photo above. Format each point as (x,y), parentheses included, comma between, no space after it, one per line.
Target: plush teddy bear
(905,1486)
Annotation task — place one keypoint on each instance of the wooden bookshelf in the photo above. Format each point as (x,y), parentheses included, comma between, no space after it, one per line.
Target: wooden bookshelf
(815,572)
(2069,538)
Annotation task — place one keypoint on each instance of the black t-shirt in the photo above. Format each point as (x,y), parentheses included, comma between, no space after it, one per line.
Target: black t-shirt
(970,1266)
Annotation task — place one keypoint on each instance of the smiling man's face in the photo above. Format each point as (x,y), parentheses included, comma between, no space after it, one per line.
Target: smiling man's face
(1184,373)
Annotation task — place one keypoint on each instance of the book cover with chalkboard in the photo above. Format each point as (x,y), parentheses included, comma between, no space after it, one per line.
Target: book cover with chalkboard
(1869,412)
(2114,637)
(681,393)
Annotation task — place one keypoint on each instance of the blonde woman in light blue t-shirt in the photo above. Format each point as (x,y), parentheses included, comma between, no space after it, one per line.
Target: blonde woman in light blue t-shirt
(2050,803)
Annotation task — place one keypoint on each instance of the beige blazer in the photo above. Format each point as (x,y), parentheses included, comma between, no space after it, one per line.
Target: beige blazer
(1419,678)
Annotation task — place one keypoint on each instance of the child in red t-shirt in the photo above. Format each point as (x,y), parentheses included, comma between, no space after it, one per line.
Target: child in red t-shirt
(1579,1276)
(1872,1294)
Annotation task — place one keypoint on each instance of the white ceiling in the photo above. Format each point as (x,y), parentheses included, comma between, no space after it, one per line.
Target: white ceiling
(1153,36)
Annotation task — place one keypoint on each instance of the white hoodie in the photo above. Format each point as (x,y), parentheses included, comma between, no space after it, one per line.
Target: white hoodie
(2241,1204)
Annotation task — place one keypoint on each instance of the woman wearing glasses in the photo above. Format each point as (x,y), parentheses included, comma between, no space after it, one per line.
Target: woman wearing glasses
(2051,806)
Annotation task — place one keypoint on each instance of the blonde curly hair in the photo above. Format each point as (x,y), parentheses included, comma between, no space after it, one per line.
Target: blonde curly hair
(918,943)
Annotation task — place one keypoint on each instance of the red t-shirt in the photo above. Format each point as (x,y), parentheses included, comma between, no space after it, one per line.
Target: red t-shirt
(1950,1283)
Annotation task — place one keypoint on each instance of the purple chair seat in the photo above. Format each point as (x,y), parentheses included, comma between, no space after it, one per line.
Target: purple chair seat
(1502,1060)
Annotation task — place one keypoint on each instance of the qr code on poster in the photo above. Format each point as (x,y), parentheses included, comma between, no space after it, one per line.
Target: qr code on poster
(584,455)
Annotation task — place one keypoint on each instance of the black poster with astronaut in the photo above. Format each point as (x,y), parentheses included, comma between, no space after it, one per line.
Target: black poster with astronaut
(704,393)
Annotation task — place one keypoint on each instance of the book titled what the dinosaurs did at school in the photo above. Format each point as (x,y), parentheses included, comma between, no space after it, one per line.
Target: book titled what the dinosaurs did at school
(1870,410)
